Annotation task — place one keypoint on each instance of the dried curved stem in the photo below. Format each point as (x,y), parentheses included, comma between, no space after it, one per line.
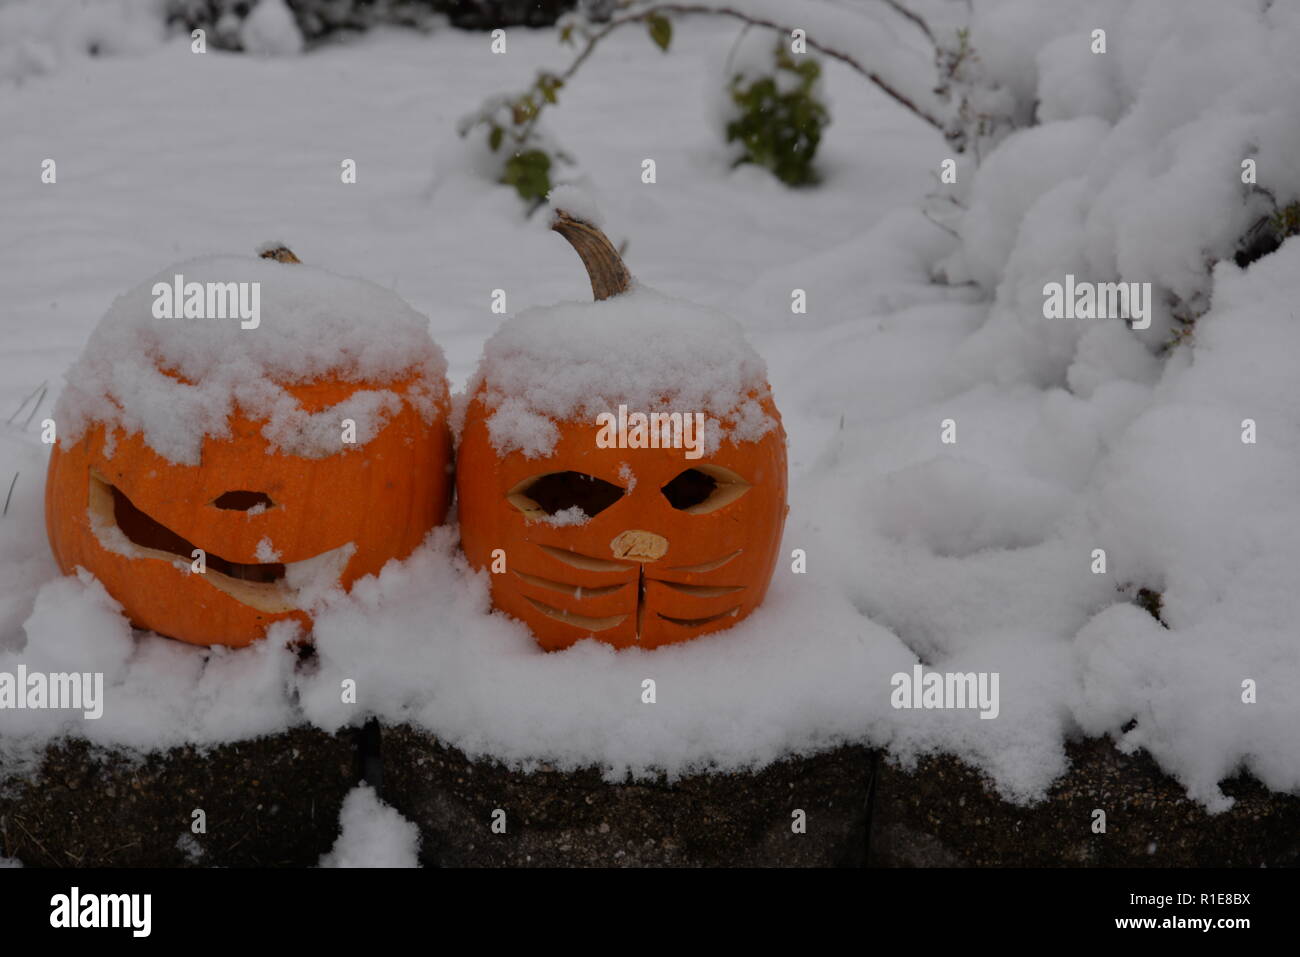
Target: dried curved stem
(280,253)
(609,276)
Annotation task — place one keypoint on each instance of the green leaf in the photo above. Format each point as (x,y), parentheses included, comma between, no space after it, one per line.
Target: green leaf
(495,137)
(523,109)
(529,172)
(548,83)
(661,30)
(779,130)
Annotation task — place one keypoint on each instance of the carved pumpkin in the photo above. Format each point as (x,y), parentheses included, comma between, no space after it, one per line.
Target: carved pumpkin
(662,548)
(273,525)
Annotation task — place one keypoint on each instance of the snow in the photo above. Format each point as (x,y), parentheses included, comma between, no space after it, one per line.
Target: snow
(372,834)
(270,30)
(641,349)
(157,692)
(189,845)
(178,379)
(569,516)
(627,476)
(42,36)
(1072,435)
(578,202)
(266,551)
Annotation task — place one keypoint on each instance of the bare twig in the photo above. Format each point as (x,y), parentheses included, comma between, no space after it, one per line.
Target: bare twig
(32,414)
(902,11)
(23,404)
(946,229)
(52,858)
(10,495)
(887,88)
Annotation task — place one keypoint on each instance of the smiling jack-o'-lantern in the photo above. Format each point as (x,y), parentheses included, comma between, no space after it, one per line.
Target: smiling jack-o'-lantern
(216,478)
(640,542)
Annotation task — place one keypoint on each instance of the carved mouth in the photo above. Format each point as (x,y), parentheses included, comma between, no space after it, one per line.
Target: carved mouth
(589,563)
(271,587)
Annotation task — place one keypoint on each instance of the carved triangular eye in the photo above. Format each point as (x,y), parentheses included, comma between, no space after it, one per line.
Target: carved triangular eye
(555,492)
(704,488)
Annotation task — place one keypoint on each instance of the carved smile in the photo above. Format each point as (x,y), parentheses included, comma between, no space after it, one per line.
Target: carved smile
(270,587)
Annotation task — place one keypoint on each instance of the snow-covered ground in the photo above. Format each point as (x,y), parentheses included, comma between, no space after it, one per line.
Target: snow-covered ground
(1072,435)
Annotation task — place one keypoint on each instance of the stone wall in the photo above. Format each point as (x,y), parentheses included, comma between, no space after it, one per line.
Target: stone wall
(274,801)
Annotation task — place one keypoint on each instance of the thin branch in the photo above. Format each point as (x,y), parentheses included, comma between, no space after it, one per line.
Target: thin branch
(10,495)
(887,88)
(735,45)
(36,842)
(22,405)
(642,13)
(902,11)
(39,399)
(947,229)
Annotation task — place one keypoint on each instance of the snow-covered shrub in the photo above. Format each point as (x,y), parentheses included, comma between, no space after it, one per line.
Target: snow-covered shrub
(982,110)
(517,149)
(237,24)
(226,20)
(40,36)
(270,30)
(490,14)
(1135,170)
(777,110)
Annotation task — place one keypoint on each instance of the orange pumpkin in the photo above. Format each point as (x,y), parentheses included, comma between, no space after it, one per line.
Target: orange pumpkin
(133,518)
(673,549)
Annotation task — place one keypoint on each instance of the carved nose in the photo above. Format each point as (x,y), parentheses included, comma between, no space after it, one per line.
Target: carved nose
(638,546)
(243,501)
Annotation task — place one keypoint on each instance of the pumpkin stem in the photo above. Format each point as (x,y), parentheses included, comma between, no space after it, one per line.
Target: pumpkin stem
(279,252)
(609,277)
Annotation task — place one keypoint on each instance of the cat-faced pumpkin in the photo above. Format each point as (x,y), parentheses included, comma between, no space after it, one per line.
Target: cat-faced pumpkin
(633,546)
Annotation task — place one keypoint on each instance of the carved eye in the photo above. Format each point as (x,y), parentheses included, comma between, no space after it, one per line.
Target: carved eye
(554,492)
(704,488)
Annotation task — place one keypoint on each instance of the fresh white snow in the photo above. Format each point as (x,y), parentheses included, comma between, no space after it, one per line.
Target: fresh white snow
(578,202)
(179,378)
(640,349)
(270,30)
(372,834)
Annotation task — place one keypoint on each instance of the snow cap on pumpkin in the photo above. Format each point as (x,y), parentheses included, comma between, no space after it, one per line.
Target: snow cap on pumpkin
(178,380)
(635,347)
